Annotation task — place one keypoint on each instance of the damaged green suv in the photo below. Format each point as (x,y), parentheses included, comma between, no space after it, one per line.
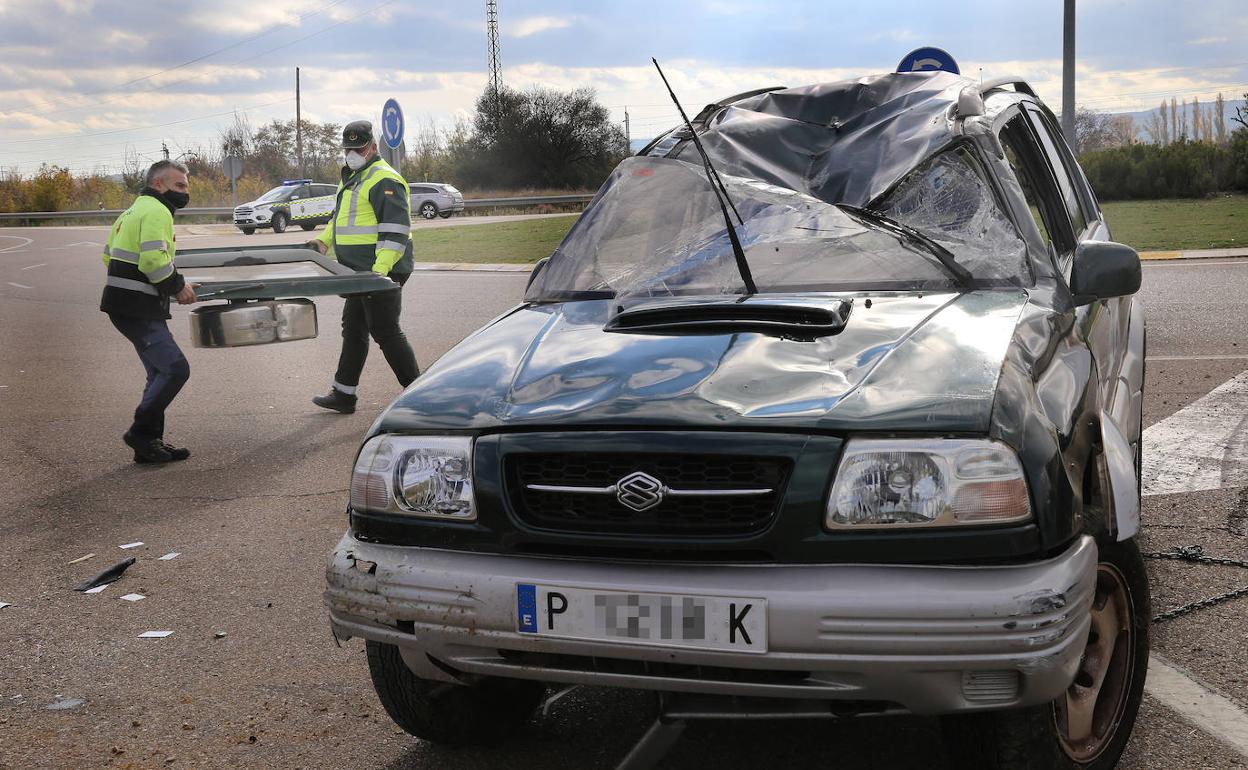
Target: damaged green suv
(873,445)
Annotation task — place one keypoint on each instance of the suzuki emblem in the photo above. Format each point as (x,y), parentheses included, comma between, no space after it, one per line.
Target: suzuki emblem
(639,491)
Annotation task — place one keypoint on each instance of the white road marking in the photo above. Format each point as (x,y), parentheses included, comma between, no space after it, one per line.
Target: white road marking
(24,243)
(1203,445)
(72,245)
(1228,357)
(32,267)
(1213,713)
(1193,263)
(20,285)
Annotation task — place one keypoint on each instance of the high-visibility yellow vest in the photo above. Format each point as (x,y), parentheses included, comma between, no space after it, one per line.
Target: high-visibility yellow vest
(139,256)
(371,226)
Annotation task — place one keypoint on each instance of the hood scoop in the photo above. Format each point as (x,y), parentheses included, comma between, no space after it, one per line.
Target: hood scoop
(791,317)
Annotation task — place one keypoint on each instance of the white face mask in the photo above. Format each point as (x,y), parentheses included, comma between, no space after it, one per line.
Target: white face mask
(355,161)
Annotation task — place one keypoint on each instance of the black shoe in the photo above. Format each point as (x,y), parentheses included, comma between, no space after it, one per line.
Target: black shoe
(336,400)
(175,454)
(148,450)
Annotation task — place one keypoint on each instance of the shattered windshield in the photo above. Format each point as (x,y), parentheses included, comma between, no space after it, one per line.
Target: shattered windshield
(656,229)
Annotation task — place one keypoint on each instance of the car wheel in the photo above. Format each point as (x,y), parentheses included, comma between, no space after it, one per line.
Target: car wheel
(279,222)
(445,214)
(428,209)
(249,231)
(483,713)
(308,226)
(1088,727)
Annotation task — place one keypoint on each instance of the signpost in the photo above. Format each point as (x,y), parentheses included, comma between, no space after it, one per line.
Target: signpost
(392,125)
(233,168)
(928,59)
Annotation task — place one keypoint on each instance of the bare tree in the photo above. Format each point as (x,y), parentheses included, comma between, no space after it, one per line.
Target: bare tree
(1093,131)
(1122,130)
(1174,119)
(1197,124)
(1241,113)
(1219,119)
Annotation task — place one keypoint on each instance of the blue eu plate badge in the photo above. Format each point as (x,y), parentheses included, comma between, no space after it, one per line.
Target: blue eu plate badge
(526,608)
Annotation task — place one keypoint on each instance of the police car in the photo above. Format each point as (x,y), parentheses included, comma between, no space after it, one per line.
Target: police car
(296,201)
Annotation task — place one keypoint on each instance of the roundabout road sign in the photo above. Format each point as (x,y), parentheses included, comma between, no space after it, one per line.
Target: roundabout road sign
(392,124)
(928,60)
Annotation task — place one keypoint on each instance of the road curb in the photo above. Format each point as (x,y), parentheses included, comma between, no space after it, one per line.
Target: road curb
(1193,254)
(460,267)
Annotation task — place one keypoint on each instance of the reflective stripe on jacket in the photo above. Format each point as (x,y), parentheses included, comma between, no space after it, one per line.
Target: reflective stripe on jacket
(139,256)
(372,221)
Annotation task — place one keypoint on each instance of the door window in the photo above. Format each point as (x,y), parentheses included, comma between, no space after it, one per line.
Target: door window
(1040,188)
(1061,170)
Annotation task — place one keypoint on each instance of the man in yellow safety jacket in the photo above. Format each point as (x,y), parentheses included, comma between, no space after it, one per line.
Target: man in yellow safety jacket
(370,230)
(141,279)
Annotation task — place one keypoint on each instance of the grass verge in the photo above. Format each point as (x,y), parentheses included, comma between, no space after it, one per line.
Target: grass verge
(1211,223)
(519,242)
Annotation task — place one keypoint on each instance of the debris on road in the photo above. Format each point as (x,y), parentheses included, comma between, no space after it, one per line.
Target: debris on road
(109,575)
(219,635)
(154,634)
(60,703)
(82,558)
(168,556)
(135,544)
(97,589)
(134,597)
(4,604)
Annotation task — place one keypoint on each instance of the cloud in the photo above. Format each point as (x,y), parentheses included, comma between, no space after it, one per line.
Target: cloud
(1209,41)
(534,25)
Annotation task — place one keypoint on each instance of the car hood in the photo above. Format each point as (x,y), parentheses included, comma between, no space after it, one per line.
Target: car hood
(903,362)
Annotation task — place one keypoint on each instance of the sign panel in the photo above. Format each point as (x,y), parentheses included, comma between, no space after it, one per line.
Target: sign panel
(928,60)
(392,124)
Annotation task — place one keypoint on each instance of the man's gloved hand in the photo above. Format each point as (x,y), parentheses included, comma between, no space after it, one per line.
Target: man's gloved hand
(315,244)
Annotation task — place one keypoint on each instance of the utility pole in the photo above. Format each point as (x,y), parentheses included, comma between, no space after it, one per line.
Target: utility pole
(165,149)
(1068,73)
(628,135)
(298,127)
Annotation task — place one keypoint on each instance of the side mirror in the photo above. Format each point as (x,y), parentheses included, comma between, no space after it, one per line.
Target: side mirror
(537,270)
(1104,269)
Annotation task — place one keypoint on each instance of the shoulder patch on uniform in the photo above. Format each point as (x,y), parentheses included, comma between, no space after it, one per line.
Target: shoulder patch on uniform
(387,192)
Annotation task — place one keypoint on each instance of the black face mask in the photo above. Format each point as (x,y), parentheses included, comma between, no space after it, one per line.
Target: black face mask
(176,199)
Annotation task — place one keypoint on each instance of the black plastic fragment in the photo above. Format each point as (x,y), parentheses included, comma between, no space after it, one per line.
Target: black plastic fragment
(110,575)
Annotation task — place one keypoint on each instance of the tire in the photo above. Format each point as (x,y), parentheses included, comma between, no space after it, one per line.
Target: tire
(428,209)
(445,214)
(1030,738)
(279,222)
(480,714)
(307,226)
(249,231)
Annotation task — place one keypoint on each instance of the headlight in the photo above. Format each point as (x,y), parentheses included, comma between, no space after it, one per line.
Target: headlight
(929,483)
(428,476)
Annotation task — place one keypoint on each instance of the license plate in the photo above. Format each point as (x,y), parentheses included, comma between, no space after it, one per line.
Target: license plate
(659,620)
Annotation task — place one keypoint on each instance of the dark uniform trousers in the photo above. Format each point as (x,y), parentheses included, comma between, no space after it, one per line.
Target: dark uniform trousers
(375,315)
(167,371)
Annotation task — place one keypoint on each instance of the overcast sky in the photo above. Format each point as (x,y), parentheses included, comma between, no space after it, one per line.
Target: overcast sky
(83,81)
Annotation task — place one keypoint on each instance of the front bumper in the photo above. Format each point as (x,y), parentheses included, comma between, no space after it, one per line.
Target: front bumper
(927,639)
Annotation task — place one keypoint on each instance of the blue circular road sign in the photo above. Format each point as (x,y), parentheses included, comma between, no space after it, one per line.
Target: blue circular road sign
(928,60)
(392,124)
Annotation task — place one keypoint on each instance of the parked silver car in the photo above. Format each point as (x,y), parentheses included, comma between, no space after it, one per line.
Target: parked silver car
(431,199)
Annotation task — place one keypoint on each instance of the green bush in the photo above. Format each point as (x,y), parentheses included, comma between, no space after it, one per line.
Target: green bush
(1178,170)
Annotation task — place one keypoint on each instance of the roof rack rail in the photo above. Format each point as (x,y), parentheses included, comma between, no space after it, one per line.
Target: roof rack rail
(1019,84)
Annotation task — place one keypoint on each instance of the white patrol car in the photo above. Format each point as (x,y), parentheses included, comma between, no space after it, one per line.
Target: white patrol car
(296,201)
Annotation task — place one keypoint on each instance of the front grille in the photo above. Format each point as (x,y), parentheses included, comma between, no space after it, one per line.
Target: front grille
(682,509)
(242,210)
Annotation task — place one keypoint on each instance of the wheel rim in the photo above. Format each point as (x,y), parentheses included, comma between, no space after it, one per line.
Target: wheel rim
(429,211)
(1088,715)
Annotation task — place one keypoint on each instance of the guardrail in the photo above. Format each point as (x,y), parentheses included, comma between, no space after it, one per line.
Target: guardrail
(521,201)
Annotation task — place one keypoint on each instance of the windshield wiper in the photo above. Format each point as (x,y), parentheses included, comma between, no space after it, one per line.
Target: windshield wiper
(908,233)
(717,187)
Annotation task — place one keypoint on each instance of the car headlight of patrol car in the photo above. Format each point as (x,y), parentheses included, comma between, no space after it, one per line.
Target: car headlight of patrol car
(427,476)
(895,483)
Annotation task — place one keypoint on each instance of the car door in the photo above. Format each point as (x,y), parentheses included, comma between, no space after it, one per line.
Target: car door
(1105,320)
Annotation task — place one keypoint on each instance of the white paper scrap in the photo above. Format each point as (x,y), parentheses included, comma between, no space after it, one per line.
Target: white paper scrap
(169,556)
(82,558)
(97,589)
(154,634)
(4,604)
(133,597)
(135,544)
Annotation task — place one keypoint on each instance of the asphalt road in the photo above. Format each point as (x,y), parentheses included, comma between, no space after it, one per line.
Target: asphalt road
(251,677)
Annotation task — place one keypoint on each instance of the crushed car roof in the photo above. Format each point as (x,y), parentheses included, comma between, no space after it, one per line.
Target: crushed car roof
(844,142)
